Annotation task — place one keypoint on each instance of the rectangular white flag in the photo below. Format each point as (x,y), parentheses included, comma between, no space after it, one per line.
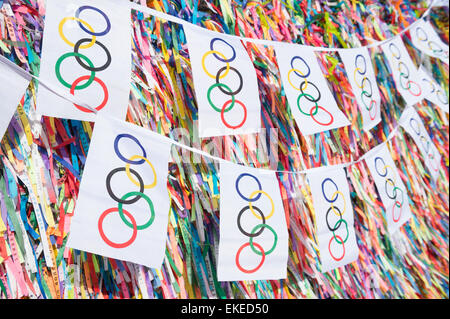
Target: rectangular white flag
(403,71)
(360,73)
(425,38)
(225,84)
(436,94)
(12,88)
(412,123)
(86,52)
(390,187)
(253,241)
(310,99)
(123,204)
(333,212)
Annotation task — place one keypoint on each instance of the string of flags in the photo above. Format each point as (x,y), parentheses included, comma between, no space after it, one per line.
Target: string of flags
(132,161)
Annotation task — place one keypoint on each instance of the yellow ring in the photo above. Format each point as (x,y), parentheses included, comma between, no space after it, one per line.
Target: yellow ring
(384,167)
(61,33)
(354,78)
(222,56)
(271,201)
(336,193)
(289,79)
(127,169)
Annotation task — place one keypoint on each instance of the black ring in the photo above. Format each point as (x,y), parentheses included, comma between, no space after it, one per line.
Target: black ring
(385,188)
(87,67)
(406,76)
(239,221)
(306,94)
(339,222)
(364,92)
(222,89)
(113,196)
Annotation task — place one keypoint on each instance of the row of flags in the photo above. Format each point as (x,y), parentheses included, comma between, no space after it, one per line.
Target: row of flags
(123,202)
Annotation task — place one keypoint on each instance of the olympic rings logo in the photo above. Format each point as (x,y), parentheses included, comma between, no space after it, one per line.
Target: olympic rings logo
(365,85)
(224,88)
(258,229)
(130,197)
(391,190)
(336,212)
(426,144)
(422,36)
(84,81)
(308,96)
(440,95)
(404,72)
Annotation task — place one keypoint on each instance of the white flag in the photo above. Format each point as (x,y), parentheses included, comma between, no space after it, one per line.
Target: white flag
(123,204)
(425,38)
(403,70)
(86,52)
(225,84)
(436,94)
(390,187)
(310,99)
(361,76)
(333,211)
(253,233)
(412,123)
(12,88)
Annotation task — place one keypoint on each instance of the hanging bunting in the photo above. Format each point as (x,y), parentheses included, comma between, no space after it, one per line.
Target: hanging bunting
(436,93)
(403,71)
(428,41)
(123,204)
(390,187)
(310,99)
(412,123)
(86,52)
(12,88)
(333,212)
(225,84)
(360,73)
(253,241)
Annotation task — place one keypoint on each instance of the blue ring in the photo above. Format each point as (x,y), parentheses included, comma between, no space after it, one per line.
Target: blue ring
(239,192)
(376,167)
(411,126)
(219,58)
(365,64)
(323,191)
(98,34)
(116,149)
(292,66)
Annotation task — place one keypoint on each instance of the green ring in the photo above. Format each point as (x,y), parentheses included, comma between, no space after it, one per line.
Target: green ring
(58,73)
(298,104)
(364,101)
(150,203)
(340,221)
(275,239)
(211,103)
(403,197)
(402,75)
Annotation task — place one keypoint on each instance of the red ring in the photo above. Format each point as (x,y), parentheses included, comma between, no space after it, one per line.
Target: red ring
(109,242)
(329,247)
(257,267)
(370,115)
(102,84)
(393,208)
(320,107)
(223,116)
(409,88)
